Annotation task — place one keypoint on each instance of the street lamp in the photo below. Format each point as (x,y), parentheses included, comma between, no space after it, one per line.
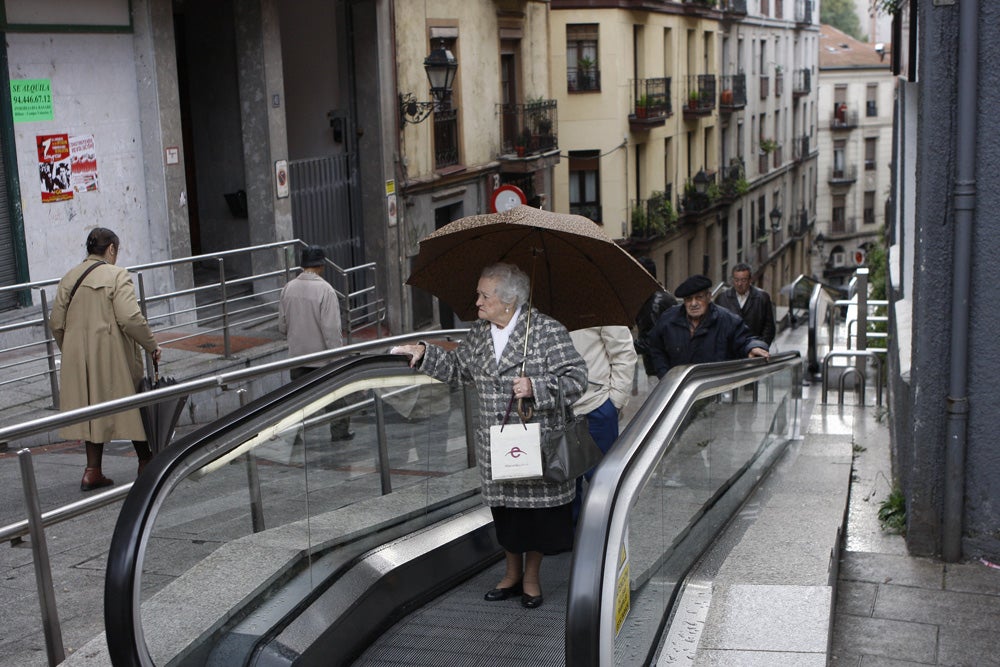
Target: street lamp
(440,66)
(818,243)
(701,182)
(775,216)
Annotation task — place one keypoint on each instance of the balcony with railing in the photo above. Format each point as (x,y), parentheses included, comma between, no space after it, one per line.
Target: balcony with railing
(803,12)
(800,148)
(700,6)
(693,202)
(736,7)
(733,94)
(802,82)
(843,175)
(650,103)
(800,223)
(733,182)
(765,86)
(528,130)
(844,117)
(445,138)
(590,211)
(583,79)
(653,217)
(700,95)
(843,225)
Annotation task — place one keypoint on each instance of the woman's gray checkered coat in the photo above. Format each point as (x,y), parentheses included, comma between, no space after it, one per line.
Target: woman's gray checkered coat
(551,359)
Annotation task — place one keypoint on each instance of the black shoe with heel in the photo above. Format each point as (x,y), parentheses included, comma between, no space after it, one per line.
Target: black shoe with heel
(532,601)
(498,594)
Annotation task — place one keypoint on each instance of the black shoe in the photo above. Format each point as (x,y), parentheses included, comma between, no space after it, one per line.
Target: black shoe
(341,437)
(531,601)
(498,594)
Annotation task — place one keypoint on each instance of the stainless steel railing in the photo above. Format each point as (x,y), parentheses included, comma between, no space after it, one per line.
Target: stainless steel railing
(35,354)
(36,522)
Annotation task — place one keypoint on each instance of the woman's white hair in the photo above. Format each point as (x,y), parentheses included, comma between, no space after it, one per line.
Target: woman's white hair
(512,283)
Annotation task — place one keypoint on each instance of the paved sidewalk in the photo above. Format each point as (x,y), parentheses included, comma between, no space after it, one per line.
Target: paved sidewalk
(893,609)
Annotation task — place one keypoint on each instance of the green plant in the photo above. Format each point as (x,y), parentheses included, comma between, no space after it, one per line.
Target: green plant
(768,145)
(585,63)
(694,96)
(662,215)
(740,186)
(892,513)
(640,222)
(714,192)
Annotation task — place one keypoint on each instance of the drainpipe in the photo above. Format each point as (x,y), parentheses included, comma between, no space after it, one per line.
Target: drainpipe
(957,403)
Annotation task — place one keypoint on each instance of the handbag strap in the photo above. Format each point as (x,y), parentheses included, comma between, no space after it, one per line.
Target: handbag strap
(80,280)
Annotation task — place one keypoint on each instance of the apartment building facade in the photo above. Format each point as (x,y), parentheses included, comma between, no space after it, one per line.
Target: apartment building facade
(855,138)
(686,129)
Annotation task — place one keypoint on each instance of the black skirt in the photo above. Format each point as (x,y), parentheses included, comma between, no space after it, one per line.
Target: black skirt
(546,529)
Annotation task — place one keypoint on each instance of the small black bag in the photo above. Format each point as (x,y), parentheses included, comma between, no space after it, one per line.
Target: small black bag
(568,451)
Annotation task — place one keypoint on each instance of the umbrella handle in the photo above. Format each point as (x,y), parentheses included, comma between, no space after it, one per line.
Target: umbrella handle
(523,410)
(156,373)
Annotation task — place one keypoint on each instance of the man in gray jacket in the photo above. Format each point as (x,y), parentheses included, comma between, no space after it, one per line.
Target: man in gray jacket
(309,315)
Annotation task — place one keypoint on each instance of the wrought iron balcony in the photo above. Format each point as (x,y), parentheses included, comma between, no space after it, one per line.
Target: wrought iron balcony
(844,175)
(445,138)
(734,6)
(529,129)
(733,95)
(650,103)
(803,11)
(843,117)
(802,83)
(583,79)
(653,217)
(700,95)
(800,148)
(843,225)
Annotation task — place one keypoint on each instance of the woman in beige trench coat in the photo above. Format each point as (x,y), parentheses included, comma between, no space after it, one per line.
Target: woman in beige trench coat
(100,330)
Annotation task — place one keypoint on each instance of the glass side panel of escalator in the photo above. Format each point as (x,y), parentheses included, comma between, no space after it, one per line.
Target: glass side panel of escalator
(718,445)
(255,520)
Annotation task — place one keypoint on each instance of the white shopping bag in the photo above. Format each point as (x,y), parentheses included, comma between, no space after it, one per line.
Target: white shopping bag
(515,451)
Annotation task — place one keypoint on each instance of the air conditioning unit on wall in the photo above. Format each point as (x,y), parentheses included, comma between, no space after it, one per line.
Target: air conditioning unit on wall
(837,259)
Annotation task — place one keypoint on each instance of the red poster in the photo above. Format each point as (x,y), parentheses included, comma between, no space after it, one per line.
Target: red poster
(54,167)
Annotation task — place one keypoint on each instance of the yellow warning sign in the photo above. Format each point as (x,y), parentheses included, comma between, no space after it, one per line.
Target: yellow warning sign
(623,598)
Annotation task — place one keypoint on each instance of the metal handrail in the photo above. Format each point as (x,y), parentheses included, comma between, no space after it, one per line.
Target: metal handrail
(853,353)
(371,310)
(36,521)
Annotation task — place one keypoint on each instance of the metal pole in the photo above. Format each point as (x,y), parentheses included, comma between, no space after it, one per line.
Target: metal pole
(253,480)
(50,351)
(40,555)
(957,402)
(383,447)
(225,308)
(141,288)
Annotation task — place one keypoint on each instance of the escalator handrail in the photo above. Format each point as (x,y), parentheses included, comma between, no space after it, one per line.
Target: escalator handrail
(189,387)
(616,484)
(122,599)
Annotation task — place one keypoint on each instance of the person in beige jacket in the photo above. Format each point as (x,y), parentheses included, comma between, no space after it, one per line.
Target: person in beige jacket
(101,332)
(611,360)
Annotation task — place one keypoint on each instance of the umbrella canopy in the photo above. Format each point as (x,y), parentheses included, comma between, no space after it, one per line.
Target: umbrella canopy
(579,276)
(160,419)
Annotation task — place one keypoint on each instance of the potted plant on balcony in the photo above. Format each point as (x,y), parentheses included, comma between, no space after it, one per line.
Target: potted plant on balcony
(521,143)
(642,107)
(640,223)
(585,73)
(767,146)
(726,97)
(693,98)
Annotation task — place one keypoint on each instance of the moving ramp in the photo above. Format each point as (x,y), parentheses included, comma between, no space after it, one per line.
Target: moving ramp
(257,541)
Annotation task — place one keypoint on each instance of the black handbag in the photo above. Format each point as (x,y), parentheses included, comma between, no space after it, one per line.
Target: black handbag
(569,450)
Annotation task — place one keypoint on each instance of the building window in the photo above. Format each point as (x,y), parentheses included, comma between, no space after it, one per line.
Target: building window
(582,70)
(870,146)
(839,218)
(761,216)
(839,146)
(871,104)
(446,127)
(869,207)
(584,185)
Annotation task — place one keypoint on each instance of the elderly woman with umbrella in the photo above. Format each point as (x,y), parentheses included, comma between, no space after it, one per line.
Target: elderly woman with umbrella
(514,352)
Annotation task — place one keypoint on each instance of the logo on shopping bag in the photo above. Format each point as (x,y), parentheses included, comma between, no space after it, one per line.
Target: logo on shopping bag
(515,452)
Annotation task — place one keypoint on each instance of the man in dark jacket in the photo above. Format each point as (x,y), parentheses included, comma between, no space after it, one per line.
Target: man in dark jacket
(648,316)
(751,303)
(699,331)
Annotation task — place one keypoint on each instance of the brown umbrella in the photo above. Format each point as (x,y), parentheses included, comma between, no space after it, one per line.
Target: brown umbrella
(579,276)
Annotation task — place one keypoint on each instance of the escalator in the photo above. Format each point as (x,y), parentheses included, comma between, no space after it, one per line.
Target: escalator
(258,541)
